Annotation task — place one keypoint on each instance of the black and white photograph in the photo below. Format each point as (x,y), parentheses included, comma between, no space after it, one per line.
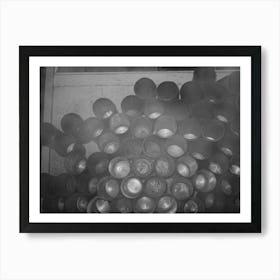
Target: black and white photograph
(140,140)
(123,137)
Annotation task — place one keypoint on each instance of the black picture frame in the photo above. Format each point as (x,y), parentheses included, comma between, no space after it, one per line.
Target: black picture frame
(25,52)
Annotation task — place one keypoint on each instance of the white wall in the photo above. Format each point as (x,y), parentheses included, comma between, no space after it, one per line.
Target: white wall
(138,256)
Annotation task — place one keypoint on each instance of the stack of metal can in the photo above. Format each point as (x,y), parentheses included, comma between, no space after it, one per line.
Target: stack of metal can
(168,150)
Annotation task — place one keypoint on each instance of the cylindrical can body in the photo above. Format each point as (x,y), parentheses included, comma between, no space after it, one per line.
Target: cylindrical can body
(213,130)
(204,74)
(204,181)
(194,206)
(153,109)
(153,146)
(90,129)
(225,112)
(186,166)
(64,144)
(167,204)
(142,167)
(144,204)
(203,110)
(182,188)
(177,109)
(235,126)
(87,184)
(176,145)
(214,202)
(103,108)
(165,126)
(190,128)
(213,92)
(109,143)
(235,165)
(108,188)
(200,149)
(131,148)
(71,124)
(164,166)
(167,91)
(75,163)
(98,205)
(123,205)
(191,93)
(76,203)
(219,163)
(119,167)
(97,163)
(65,184)
(145,89)
(155,187)
(229,144)
(52,204)
(119,123)
(229,185)
(132,106)
(48,134)
(141,127)
(131,187)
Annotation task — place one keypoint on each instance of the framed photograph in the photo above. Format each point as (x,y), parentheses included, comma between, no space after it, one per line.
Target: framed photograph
(140,139)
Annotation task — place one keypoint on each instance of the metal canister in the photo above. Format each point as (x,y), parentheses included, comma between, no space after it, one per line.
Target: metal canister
(76,203)
(71,124)
(215,202)
(214,93)
(131,187)
(103,108)
(229,144)
(219,163)
(177,109)
(142,167)
(131,148)
(194,206)
(132,106)
(109,143)
(108,188)
(97,163)
(98,205)
(167,91)
(48,134)
(191,93)
(164,166)
(153,109)
(204,74)
(229,184)
(119,167)
(90,129)
(153,146)
(200,149)
(87,184)
(165,126)
(202,110)
(190,128)
(186,166)
(144,204)
(167,204)
(141,127)
(225,112)
(65,184)
(145,89)
(235,126)
(123,205)
(182,188)
(119,123)
(235,165)
(204,181)
(75,163)
(155,187)
(52,204)
(213,130)
(176,145)
(64,144)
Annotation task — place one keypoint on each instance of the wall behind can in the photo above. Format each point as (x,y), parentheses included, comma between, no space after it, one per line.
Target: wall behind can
(138,256)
